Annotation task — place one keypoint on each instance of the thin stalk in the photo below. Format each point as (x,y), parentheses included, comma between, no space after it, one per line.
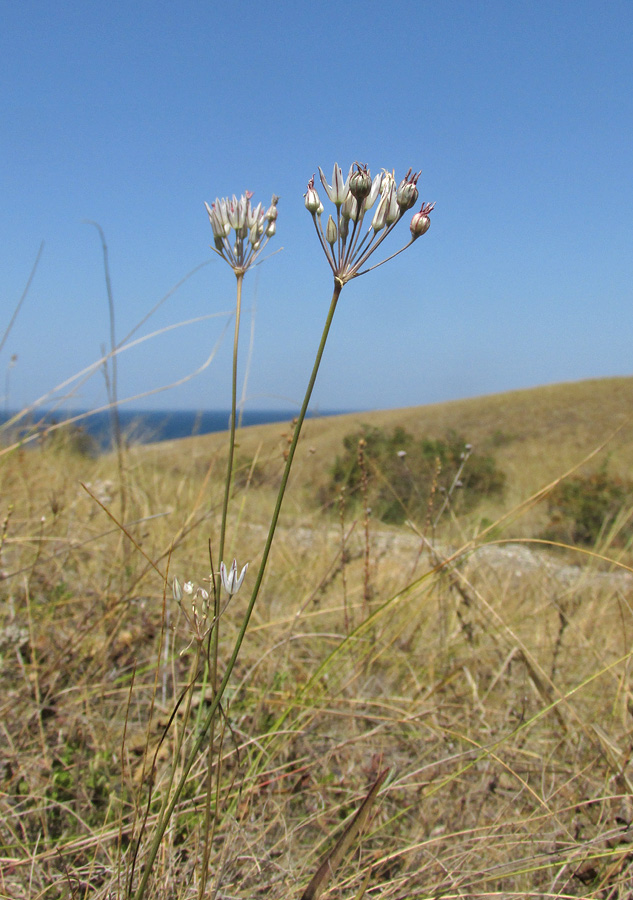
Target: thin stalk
(111,379)
(229,465)
(22,298)
(166,816)
(214,637)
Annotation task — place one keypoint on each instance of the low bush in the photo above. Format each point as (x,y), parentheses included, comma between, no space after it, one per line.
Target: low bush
(585,507)
(407,478)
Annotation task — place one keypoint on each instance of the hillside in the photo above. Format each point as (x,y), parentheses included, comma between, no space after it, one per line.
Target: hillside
(535,436)
(482,683)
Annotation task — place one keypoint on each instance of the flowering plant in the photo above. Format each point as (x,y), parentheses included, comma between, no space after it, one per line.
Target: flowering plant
(345,246)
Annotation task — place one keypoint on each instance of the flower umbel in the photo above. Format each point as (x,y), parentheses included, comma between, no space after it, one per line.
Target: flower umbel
(345,246)
(252,227)
(230,580)
(194,603)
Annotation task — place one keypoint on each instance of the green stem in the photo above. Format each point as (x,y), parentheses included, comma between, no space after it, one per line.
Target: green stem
(214,637)
(164,819)
(229,465)
(215,633)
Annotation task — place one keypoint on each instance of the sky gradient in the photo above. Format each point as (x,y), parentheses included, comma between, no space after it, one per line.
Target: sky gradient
(131,115)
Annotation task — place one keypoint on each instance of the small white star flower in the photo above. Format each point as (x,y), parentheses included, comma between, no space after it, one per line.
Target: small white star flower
(232,583)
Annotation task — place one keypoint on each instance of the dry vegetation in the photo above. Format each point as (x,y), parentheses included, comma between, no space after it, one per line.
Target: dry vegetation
(495,687)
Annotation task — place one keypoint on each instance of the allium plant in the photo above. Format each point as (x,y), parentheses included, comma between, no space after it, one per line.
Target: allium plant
(240,234)
(348,245)
(252,229)
(345,242)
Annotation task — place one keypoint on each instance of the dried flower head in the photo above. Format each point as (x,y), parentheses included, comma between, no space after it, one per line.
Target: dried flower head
(252,229)
(346,247)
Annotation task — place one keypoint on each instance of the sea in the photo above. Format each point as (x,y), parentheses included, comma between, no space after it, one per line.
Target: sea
(150,426)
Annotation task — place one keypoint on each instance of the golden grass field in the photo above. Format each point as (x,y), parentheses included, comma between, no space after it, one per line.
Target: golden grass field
(490,674)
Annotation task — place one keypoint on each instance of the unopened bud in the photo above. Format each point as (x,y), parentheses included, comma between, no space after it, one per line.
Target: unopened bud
(378,222)
(360,182)
(349,210)
(330,231)
(271,229)
(407,194)
(271,212)
(312,198)
(421,223)
(393,211)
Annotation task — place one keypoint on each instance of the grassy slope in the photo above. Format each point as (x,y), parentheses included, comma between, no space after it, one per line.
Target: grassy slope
(474,660)
(536,435)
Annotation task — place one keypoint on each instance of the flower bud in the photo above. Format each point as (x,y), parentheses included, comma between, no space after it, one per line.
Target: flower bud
(420,224)
(349,210)
(360,182)
(393,210)
(378,222)
(312,198)
(330,231)
(375,191)
(387,183)
(270,229)
(271,212)
(407,193)
(252,215)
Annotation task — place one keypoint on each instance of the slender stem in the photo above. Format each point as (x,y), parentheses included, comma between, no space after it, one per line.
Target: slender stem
(229,465)
(22,298)
(324,245)
(164,818)
(214,636)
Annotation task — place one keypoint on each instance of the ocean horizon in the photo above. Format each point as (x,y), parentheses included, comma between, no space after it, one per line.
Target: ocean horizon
(152,426)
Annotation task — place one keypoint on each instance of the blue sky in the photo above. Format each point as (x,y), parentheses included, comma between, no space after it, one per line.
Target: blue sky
(520,117)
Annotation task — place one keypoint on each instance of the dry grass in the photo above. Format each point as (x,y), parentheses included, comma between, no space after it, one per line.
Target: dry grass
(496,689)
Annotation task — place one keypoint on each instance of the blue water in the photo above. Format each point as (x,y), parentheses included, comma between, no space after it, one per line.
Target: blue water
(145,427)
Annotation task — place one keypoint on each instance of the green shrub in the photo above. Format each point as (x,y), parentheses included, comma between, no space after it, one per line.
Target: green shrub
(404,474)
(72,439)
(583,507)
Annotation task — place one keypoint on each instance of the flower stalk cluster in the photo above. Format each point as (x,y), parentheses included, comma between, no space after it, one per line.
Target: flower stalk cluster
(347,246)
(240,233)
(194,602)
(252,228)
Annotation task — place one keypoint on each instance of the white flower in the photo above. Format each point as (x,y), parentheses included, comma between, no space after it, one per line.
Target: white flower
(230,579)
(339,190)
(230,214)
(348,251)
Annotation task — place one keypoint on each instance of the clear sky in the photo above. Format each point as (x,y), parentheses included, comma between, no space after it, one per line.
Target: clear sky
(132,114)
